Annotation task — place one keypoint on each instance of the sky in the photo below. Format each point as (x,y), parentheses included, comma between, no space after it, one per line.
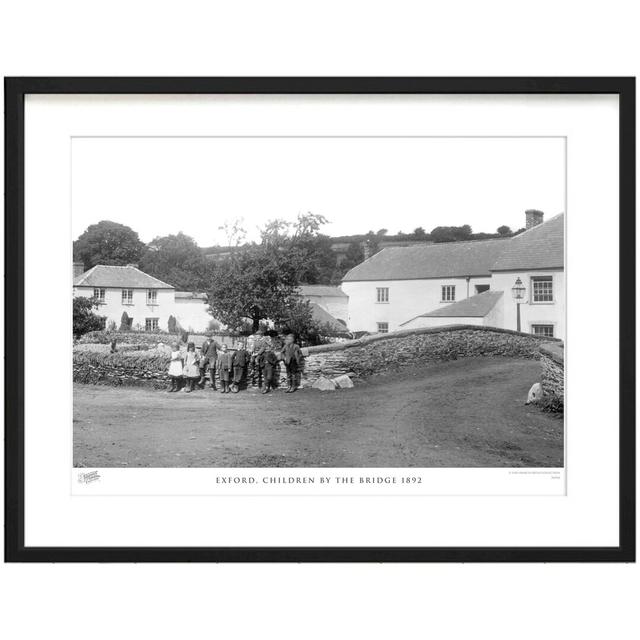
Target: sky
(160,186)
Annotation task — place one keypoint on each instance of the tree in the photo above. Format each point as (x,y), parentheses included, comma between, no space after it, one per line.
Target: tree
(125,321)
(381,232)
(353,257)
(371,242)
(420,233)
(84,319)
(258,282)
(504,230)
(177,260)
(451,234)
(108,243)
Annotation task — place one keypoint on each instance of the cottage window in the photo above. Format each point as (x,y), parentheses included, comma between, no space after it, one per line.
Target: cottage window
(151,324)
(152,296)
(127,296)
(382,294)
(545,330)
(383,327)
(542,287)
(449,293)
(98,294)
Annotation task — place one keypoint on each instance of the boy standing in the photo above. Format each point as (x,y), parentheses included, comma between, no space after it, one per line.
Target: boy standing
(240,362)
(292,356)
(210,356)
(224,369)
(260,344)
(270,365)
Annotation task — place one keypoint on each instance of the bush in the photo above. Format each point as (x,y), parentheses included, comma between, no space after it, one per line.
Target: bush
(172,325)
(125,322)
(126,337)
(84,319)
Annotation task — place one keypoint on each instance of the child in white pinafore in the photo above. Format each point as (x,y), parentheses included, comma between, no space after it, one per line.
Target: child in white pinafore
(191,369)
(175,368)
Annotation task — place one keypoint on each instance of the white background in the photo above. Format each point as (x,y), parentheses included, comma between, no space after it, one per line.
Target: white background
(399,38)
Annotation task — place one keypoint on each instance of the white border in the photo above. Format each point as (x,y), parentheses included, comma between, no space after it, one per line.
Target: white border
(586,516)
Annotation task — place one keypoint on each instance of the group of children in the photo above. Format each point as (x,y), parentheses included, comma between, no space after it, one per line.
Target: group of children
(259,363)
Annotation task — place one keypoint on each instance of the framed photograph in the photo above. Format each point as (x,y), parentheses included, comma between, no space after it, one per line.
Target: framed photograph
(320,319)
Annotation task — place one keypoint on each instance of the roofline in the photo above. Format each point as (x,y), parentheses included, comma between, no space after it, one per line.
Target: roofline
(121,266)
(369,258)
(523,269)
(537,226)
(119,286)
(428,314)
(475,275)
(431,244)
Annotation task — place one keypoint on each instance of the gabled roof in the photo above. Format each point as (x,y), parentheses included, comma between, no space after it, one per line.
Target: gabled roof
(541,247)
(438,260)
(324,317)
(127,277)
(477,306)
(322,290)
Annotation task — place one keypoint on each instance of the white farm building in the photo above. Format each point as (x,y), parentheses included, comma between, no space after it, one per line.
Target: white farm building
(467,282)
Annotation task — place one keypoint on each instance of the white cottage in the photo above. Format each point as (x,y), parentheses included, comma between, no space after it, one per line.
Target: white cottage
(147,301)
(464,283)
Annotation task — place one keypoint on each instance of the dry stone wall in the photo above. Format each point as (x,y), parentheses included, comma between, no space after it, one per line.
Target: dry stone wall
(355,358)
(385,352)
(552,361)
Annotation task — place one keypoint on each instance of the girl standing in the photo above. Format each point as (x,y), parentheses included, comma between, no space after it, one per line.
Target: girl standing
(191,370)
(175,368)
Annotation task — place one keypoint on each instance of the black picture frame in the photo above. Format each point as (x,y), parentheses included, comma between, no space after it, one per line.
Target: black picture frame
(15,91)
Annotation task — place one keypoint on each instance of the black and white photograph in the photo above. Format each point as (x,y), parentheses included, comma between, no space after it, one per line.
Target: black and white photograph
(359,312)
(318,301)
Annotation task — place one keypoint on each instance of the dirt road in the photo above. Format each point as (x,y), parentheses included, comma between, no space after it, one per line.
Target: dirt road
(465,413)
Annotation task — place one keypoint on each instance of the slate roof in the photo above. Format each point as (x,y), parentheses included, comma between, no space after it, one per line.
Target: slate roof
(125,277)
(322,290)
(541,247)
(320,315)
(477,306)
(438,260)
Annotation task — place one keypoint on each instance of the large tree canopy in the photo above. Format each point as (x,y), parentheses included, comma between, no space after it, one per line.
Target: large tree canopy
(109,243)
(256,282)
(260,281)
(177,260)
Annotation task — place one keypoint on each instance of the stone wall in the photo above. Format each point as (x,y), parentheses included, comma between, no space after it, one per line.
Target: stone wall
(130,368)
(382,352)
(355,358)
(552,361)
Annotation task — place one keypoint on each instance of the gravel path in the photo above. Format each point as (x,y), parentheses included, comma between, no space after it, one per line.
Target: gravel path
(464,413)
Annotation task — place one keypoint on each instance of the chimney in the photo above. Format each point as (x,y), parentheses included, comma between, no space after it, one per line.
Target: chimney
(534,217)
(78,269)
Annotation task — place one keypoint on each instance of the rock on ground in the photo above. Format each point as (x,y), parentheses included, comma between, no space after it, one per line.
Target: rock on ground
(324,384)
